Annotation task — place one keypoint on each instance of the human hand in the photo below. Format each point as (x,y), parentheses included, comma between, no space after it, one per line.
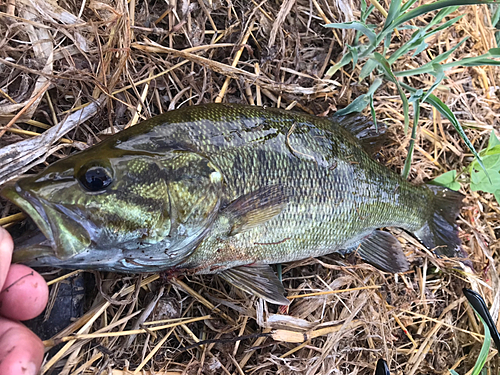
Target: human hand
(23,296)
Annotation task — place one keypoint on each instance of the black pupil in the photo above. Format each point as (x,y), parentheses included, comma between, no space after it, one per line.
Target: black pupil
(96,178)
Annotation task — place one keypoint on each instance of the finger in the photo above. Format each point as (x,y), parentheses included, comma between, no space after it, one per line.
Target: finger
(21,351)
(24,295)
(6,247)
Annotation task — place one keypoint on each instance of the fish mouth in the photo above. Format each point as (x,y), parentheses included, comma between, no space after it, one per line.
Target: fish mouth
(64,237)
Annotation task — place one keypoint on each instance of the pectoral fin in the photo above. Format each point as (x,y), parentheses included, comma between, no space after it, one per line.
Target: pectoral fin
(255,208)
(383,250)
(259,280)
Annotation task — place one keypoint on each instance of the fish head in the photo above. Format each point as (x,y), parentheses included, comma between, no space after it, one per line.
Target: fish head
(97,208)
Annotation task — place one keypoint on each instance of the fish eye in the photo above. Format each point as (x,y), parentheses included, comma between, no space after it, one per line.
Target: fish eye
(96,178)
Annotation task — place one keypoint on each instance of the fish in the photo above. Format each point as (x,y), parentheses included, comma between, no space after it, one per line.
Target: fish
(230,189)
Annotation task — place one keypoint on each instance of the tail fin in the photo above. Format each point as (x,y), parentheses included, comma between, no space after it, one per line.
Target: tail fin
(440,233)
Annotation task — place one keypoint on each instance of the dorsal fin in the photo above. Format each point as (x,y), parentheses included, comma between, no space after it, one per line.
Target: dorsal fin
(371,136)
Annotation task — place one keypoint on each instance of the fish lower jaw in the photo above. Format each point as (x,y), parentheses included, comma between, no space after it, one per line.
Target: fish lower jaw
(31,207)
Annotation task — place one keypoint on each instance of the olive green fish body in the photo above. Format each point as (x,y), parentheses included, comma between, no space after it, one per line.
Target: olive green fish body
(336,196)
(208,188)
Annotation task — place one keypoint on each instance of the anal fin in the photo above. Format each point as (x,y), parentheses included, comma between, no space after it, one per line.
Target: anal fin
(383,250)
(259,280)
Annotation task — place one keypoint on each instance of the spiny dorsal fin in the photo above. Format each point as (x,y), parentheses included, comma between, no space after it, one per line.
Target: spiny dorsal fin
(256,207)
(259,280)
(383,250)
(371,136)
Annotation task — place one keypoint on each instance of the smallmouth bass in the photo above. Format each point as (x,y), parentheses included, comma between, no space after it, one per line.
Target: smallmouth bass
(229,189)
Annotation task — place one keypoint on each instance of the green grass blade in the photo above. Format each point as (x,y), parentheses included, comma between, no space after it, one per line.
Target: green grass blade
(387,43)
(440,4)
(439,73)
(372,111)
(428,68)
(354,53)
(346,59)
(409,157)
(441,15)
(496,15)
(483,354)
(367,69)
(407,5)
(448,114)
(357,105)
(393,12)
(356,25)
(419,38)
(390,75)
(365,12)
(484,59)
(362,101)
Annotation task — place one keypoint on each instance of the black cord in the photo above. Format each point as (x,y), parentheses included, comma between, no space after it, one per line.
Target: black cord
(477,302)
(382,368)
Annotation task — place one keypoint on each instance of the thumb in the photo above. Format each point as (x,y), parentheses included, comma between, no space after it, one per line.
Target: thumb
(6,247)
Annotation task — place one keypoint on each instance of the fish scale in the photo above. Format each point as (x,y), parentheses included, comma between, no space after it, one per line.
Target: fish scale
(344,203)
(230,189)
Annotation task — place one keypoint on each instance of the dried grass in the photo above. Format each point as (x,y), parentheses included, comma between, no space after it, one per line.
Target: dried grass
(140,59)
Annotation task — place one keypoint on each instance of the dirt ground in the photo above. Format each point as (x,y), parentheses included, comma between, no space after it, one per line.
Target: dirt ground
(137,59)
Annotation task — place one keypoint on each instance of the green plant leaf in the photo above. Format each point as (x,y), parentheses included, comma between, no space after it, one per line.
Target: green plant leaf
(486,177)
(439,73)
(367,69)
(393,12)
(487,180)
(484,59)
(440,4)
(416,116)
(356,25)
(354,52)
(418,38)
(497,195)
(493,141)
(360,103)
(346,59)
(407,5)
(390,75)
(483,354)
(453,372)
(448,114)
(372,111)
(429,67)
(448,180)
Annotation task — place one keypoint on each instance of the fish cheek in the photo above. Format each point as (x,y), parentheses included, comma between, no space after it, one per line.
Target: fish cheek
(194,188)
(135,209)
